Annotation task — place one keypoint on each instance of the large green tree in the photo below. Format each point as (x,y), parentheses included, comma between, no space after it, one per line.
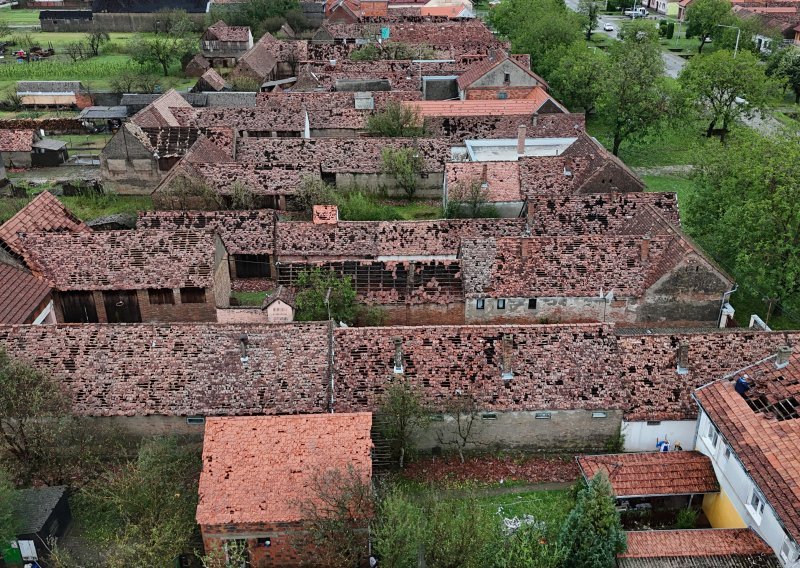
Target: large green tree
(542,28)
(725,88)
(744,211)
(592,535)
(580,77)
(704,17)
(163,50)
(634,95)
(590,12)
(142,514)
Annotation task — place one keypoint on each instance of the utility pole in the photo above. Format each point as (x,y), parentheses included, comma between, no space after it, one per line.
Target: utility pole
(738,35)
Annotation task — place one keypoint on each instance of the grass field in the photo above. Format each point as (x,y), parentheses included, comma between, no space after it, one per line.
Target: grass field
(86,207)
(249,298)
(551,507)
(19,17)
(680,185)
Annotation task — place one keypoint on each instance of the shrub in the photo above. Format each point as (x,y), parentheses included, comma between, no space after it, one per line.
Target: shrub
(395,120)
(367,52)
(404,165)
(320,293)
(357,206)
(686,518)
(314,191)
(245,84)
(670,30)
(371,316)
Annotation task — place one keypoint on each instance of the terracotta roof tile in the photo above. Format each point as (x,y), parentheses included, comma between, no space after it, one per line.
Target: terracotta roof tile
(16,140)
(243,232)
(698,543)
(481,68)
(262,469)
(490,107)
(122,260)
(158,113)
(45,213)
(653,473)
(222,32)
(20,294)
(763,429)
(502,178)
(212,80)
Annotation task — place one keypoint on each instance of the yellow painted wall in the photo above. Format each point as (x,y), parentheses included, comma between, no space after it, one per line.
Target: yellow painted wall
(720,512)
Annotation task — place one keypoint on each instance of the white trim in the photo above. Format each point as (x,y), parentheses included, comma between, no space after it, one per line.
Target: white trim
(45,313)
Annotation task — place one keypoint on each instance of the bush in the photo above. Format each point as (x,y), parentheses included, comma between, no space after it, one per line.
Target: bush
(404,165)
(357,206)
(396,120)
(371,316)
(367,52)
(670,30)
(686,518)
(314,191)
(269,25)
(245,84)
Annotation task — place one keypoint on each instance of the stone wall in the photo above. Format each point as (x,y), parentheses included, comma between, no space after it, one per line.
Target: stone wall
(551,310)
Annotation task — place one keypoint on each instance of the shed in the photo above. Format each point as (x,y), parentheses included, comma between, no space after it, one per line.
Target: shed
(48,153)
(53,94)
(279,306)
(99,118)
(42,513)
(65,20)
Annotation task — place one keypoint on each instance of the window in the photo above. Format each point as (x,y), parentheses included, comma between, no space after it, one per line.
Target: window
(193,295)
(161,296)
(726,454)
(195,420)
(756,505)
(531,303)
(488,416)
(265,541)
(506,78)
(502,95)
(480,304)
(712,436)
(654,422)
(252,265)
(788,551)
(501,304)
(542,416)
(599,415)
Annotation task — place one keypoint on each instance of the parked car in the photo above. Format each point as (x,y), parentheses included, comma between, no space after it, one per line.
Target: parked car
(637,13)
(607,27)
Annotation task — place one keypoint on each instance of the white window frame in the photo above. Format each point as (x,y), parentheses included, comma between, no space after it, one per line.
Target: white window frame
(712,436)
(756,510)
(480,304)
(501,306)
(788,551)
(725,454)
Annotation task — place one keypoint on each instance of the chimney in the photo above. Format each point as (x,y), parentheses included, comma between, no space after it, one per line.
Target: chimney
(645,252)
(683,358)
(521,135)
(782,356)
(325,214)
(535,119)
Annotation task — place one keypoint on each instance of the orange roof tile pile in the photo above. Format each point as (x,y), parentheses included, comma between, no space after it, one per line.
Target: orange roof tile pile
(653,473)
(20,294)
(262,469)
(763,430)
(698,548)
(16,140)
(45,213)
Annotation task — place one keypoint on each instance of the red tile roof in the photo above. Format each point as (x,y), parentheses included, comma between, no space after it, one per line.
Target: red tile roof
(697,542)
(45,213)
(243,232)
(122,260)
(259,60)
(17,140)
(482,67)
(20,294)
(263,469)
(222,32)
(212,79)
(490,107)
(653,473)
(763,430)
(158,113)
(447,10)
(502,179)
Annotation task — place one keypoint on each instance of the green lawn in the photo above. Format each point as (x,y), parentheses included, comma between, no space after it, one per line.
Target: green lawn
(249,298)
(20,17)
(552,507)
(86,207)
(678,184)
(93,141)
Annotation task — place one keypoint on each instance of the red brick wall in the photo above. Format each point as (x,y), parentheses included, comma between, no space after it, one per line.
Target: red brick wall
(426,314)
(281,552)
(178,311)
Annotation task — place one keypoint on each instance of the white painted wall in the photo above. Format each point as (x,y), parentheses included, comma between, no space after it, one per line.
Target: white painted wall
(738,485)
(642,436)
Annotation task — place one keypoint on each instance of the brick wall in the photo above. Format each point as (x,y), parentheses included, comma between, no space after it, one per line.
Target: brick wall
(283,538)
(193,312)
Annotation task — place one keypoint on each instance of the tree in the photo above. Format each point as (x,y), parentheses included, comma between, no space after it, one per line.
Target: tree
(404,165)
(466,424)
(592,535)
(725,88)
(784,66)
(589,10)
(252,12)
(633,98)
(242,196)
(470,200)
(96,38)
(542,28)
(399,530)
(8,520)
(401,414)
(743,210)
(580,77)
(162,50)
(76,50)
(460,532)
(337,518)
(142,514)
(323,294)
(395,120)
(704,16)
(792,74)
(314,191)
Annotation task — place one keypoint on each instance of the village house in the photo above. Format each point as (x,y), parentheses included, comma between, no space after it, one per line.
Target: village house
(16,147)
(196,66)
(44,214)
(531,384)
(270,59)
(222,45)
(58,94)
(261,473)
(748,426)
(65,20)
(499,76)
(210,81)
(131,276)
